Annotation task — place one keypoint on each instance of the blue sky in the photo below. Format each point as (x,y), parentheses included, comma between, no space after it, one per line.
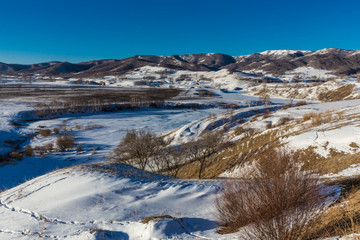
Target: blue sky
(80,30)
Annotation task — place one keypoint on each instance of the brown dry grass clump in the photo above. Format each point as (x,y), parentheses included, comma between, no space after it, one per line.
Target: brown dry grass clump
(320,118)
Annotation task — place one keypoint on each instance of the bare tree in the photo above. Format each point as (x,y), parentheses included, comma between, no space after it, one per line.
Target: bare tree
(137,148)
(201,149)
(171,159)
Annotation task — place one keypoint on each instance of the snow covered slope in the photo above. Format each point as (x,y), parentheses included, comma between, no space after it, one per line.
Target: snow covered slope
(108,200)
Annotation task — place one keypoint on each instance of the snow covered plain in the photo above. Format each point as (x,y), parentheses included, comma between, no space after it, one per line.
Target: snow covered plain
(75,195)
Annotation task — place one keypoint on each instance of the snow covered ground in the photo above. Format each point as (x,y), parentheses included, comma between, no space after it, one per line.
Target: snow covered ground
(75,195)
(97,133)
(109,201)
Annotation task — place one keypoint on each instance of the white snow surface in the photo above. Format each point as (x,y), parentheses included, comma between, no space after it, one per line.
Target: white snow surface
(309,72)
(78,203)
(337,136)
(282,53)
(98,134)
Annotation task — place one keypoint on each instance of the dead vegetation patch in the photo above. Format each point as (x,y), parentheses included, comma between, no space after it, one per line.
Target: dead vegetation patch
(343,218)
(155,218)
(254,144)
(338,94)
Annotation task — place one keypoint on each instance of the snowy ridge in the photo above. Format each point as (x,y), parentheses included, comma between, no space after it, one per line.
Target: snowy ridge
(282,53)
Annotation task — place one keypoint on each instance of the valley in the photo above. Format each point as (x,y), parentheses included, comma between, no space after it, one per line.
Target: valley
(64,175)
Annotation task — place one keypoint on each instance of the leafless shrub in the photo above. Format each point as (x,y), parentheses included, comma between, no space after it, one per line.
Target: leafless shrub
(283,120)
(149,77)
(42,109)
(28,151)
(183,77)
(139,101)
(275,201)
(238,130)
(16,155)
(40,150)
(141,83)
(45,132)
(94,151)
(300,103)
(79,148)
(205,93)
(49,147)
(92,126)
(165,71)
(265,99)
(286,106)
(56,130)
(65,142)
(267,114)
(64,126)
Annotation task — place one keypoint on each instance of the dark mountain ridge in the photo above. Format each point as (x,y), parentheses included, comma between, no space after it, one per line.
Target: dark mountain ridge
(340,61)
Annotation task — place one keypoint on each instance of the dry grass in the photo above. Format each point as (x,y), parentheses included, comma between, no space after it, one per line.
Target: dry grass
(155,218)
(343,218)
(321,118)
(338,94)
(242,151)
(252,144)
(308,116)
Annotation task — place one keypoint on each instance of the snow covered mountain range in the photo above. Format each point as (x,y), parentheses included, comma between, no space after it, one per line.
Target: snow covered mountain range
(341,61)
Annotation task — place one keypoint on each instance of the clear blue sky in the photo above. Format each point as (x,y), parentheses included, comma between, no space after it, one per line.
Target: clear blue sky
(78,30)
